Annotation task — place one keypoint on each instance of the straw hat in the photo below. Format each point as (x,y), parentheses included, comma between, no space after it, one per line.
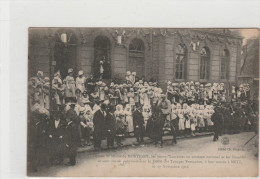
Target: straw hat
(40,73)
(70,70)
(80,72)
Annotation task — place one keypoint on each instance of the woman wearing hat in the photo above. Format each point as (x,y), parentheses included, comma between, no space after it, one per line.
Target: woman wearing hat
(82,126)
(129,118)
(120,124)
(46,95)
(127,77)
(94,96)
(80,81)
(102,86)
(132,77)
(58,89)
(131,96)
(39,78)
(125,97)
(136,94)
(89,124)
(39,96)
(70,86)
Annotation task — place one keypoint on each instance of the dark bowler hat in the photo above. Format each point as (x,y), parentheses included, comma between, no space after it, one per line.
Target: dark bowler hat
(110,108)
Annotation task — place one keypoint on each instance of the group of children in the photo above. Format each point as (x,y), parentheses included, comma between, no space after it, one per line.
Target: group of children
(191,102)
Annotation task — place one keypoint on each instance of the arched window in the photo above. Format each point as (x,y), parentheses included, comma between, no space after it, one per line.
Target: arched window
(204,63)
(102,52)
(224,64)
(180,72)
(136,57)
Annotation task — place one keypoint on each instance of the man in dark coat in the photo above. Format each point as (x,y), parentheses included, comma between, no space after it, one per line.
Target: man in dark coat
(99,120)
(56,134)
(174,123)
(138,121)
(37,140)
(109,126)
(227,114)
(237,113)
(72,134)
(217,120)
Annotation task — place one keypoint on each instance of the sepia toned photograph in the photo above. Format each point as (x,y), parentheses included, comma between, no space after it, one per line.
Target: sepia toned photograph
(142,102)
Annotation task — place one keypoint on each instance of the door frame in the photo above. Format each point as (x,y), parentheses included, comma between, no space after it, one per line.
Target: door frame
(146,50)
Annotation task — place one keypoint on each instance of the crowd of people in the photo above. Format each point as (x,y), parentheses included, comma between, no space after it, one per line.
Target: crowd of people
(68,113)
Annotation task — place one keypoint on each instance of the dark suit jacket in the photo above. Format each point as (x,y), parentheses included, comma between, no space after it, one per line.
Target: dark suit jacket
(217,118)
(72,137)
(110,122)
(138,119)
(98,121)
(59,131)
(110,125)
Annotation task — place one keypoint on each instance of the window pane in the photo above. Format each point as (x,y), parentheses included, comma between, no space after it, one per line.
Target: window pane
(204,63)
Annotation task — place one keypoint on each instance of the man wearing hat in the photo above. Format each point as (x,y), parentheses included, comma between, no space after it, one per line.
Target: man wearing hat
(71,114)
(99,120)
(56,134)
(37,135)
(72,134)
(109,126)
(138,121)
(227,115)
(217,119)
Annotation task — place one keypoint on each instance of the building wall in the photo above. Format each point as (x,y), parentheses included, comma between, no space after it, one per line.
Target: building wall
(160,51)
(39,52)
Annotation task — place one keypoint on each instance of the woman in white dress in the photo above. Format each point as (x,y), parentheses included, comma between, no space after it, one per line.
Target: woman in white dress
(70,86)
(129,118)
(131,96)
(80,81)
(146,114)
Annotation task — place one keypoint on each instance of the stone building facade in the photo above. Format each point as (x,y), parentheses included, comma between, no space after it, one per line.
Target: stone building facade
(205,55)
(250,69)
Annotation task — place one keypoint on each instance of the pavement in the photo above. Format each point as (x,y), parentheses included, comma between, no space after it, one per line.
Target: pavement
(190,157)
(131,141)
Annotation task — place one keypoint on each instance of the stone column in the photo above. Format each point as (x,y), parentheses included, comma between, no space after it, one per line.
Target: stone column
(215,63)
(119,62)
(193,65)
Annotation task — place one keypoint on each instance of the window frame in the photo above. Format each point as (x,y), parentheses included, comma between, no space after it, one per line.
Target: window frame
(180,53)
(205,58)
(225,58)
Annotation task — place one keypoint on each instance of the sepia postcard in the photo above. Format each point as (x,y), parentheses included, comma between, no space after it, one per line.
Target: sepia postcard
(142,102)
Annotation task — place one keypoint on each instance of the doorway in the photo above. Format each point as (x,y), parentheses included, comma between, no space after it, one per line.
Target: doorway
(102,50)
(65,55)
